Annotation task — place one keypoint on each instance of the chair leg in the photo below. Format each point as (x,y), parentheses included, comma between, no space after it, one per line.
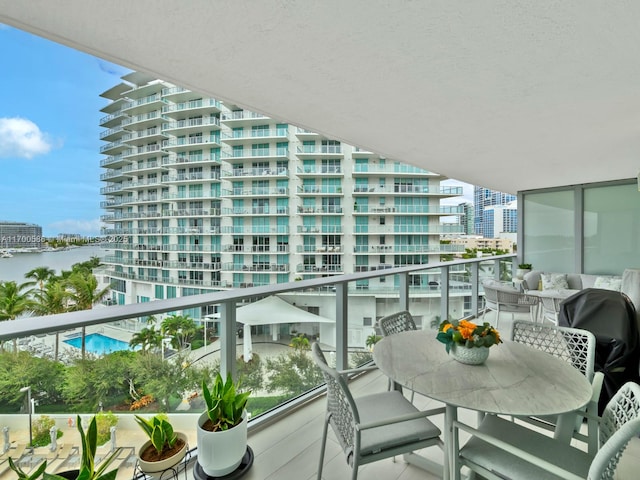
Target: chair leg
(322,447)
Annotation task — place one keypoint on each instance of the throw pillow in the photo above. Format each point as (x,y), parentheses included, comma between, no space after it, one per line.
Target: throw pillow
(554,281)
(608,283)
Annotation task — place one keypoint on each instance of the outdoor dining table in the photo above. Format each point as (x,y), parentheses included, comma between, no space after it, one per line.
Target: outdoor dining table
(556,294)
(515,380)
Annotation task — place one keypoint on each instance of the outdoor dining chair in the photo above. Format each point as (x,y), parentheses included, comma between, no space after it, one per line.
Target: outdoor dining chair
(506,299)
(371,427)
(550,308)
(573,345)
(395,323)
(500,449)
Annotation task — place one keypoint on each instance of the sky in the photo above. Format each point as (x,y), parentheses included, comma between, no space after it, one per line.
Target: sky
(50,134)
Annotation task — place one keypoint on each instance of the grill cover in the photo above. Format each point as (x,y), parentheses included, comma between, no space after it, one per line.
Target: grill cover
(611,317)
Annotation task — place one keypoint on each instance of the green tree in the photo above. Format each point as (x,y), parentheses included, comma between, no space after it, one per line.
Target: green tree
(181,329)
(53,299)
(166,379)
(45,377)
(14,302)
(148,338)
(300,343)
(40,275)
(84,295)
(292,373)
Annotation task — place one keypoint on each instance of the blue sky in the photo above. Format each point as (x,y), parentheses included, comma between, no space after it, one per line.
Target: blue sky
(50,133)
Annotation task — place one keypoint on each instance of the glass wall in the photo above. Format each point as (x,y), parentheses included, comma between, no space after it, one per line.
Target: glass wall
(591,228)
(549,232)
(611,228)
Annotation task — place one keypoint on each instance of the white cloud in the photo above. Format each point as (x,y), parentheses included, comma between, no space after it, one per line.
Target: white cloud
(22,138)
(82,227)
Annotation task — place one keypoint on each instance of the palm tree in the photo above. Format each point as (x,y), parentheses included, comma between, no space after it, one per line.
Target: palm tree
(181,328)
(53,299)
(147,338)
(84,295)
(40,275)
(14,301)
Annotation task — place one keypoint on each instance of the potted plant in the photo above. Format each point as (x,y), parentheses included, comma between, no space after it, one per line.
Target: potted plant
(165,447)
(22,475)
(466,341)
(372,340)
(87,469)
(222,427)
(522,270)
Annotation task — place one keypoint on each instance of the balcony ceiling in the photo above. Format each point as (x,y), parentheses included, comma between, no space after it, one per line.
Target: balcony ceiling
(509,95)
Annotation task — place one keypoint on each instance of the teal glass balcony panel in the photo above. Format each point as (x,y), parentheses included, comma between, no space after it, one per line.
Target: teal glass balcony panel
(246,173)
(248,230)
(201,160)
(208,105)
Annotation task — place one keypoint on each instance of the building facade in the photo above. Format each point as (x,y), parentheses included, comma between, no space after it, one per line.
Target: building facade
(484,222)
(20,235)
(200,196)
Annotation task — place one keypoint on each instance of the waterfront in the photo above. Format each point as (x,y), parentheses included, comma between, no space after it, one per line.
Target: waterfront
(14,268)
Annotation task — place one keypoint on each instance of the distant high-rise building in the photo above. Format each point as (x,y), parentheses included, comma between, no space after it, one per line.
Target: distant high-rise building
(467,218)
(501,221)
(20,235)
(200,195)
(483,198)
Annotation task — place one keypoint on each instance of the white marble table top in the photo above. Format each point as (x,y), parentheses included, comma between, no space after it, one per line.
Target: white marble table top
(553,293)
(515,379)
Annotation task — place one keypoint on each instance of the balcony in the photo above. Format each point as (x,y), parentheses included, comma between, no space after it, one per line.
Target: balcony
(285,438)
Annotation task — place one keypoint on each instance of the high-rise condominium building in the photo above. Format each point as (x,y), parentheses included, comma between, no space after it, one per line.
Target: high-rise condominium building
(20,235)
(485,197)
(201,195)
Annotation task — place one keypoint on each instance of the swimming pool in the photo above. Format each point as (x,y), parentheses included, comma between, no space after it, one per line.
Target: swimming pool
(98,344)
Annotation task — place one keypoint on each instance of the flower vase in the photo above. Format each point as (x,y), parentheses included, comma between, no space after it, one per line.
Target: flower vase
(469,356)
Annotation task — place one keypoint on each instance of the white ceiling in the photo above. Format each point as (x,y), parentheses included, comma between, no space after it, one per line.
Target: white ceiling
(512,95)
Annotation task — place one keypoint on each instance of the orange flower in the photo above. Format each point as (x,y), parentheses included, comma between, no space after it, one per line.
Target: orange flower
(466,328)
(447,327)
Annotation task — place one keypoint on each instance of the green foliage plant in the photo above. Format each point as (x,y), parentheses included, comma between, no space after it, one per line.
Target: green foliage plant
(41,428)
(159,430)
(372,340)
(22,475)
(88,470)
(225,403)
(104,422)
(525,266)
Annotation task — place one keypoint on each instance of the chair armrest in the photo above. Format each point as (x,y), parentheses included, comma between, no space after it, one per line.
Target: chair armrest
(401,418)
(518,452)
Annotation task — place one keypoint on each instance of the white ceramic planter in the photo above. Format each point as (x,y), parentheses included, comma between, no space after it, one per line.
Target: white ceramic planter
(155,469)
(220,453)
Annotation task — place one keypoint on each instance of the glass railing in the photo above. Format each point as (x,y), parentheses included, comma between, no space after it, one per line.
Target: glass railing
(128,359)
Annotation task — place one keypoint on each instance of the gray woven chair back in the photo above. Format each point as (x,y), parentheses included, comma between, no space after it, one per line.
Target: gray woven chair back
(341,407)
(490,294)
(620,422)
(396,323)
(572,345)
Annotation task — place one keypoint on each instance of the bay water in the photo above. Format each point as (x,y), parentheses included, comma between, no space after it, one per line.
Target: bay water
(14,268)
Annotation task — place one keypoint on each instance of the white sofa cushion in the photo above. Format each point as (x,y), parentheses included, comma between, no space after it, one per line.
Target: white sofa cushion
(608,283)
(554,281)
